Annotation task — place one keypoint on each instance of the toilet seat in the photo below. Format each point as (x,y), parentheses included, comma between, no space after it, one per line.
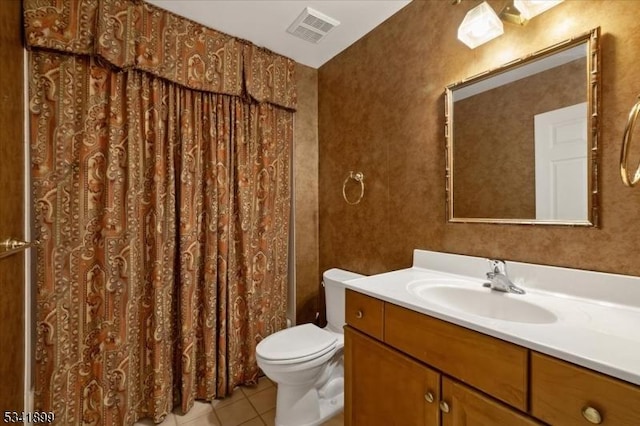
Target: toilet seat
(297,344)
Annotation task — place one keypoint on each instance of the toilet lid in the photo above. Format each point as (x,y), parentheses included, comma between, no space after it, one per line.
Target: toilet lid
(296,342)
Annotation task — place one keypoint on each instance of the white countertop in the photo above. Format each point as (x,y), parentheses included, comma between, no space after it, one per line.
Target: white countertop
(596,334)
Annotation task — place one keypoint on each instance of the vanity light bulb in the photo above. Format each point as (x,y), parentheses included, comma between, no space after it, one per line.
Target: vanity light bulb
(479,29)
(480,25)
(531,8)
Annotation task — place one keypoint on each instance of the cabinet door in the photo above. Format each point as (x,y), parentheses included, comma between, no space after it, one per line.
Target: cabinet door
(384,387)
(462,406)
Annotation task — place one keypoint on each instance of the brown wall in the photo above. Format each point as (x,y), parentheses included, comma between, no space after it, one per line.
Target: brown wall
(494,155)
(381,111)
(305,169)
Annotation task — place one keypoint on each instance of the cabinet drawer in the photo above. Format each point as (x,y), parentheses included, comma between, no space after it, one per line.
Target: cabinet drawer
(561,391)
(365,313)
(464,406)
(489,364)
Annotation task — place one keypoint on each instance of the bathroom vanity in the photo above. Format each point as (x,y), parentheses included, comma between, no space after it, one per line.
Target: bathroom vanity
(414,358)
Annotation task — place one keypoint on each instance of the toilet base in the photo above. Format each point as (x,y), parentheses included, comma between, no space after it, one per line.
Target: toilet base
(310,408)
(328,409)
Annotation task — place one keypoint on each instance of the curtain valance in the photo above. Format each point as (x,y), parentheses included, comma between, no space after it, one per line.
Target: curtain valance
(135,34)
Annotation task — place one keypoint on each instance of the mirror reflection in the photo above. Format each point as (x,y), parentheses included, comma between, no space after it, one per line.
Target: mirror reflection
(519,141)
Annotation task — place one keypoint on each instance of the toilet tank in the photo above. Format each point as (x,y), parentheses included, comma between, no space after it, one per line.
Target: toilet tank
(333,281)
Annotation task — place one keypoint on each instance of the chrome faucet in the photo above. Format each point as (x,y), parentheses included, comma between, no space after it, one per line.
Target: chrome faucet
(498,279)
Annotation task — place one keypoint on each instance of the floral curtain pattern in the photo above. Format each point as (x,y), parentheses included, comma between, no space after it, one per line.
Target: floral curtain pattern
(163,213)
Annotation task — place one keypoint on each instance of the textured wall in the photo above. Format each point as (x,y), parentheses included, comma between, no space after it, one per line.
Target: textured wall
(305,169)
(494,155)
(381,111)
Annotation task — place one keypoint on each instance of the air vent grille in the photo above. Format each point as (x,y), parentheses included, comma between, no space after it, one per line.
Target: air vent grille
(312,25)
(314,22)
(307,34)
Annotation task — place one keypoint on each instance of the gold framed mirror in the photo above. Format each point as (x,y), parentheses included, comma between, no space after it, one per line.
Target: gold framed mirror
(522,139)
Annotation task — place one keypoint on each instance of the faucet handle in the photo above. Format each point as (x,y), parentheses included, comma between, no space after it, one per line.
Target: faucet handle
(498,266)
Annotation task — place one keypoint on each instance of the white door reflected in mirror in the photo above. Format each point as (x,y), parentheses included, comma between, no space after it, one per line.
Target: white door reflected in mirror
(561,163)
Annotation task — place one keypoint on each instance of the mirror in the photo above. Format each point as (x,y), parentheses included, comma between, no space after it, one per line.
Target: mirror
(522,139)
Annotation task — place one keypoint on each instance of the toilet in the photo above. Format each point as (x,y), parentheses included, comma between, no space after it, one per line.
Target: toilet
(306,361)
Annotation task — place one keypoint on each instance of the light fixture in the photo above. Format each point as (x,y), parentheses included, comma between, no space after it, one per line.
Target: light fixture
(512,15)
(531,8)
(480,25)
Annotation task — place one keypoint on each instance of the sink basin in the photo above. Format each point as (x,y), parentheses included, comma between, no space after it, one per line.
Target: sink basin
(458,295)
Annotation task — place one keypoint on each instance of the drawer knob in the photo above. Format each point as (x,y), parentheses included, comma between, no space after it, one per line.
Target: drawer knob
(444,407)
(592,415)
(359,314)
(428,397)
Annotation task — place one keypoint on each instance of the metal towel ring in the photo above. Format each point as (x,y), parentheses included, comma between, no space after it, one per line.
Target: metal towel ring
(626,142)
(358,177)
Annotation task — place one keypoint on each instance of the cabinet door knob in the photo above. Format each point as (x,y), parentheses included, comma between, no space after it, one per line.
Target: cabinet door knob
(428,397)
(592,415)
(444,407)
(359,314)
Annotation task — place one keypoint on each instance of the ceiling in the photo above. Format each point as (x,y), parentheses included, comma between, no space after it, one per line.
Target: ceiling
(264,22)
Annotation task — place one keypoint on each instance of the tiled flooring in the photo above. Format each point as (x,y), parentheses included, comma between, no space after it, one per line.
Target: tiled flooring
(247,406)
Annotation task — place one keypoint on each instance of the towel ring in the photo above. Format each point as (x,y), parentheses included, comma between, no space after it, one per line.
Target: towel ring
(626,142)
(358,177)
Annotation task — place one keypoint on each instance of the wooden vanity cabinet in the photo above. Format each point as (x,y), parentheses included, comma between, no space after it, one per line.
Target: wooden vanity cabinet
(385,387)
(387,381)
(408,369)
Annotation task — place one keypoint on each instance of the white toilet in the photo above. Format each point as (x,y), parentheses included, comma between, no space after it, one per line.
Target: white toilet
(306,361)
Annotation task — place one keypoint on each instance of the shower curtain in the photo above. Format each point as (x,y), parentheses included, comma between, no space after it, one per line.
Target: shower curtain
(161,185)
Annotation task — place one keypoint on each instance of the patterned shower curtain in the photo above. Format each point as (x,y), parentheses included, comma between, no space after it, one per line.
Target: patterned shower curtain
(161,186)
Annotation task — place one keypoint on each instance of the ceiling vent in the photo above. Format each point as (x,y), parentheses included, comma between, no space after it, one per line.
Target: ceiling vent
(312,25)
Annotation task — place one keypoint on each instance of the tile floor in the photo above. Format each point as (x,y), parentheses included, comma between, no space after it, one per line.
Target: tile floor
(247,406)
